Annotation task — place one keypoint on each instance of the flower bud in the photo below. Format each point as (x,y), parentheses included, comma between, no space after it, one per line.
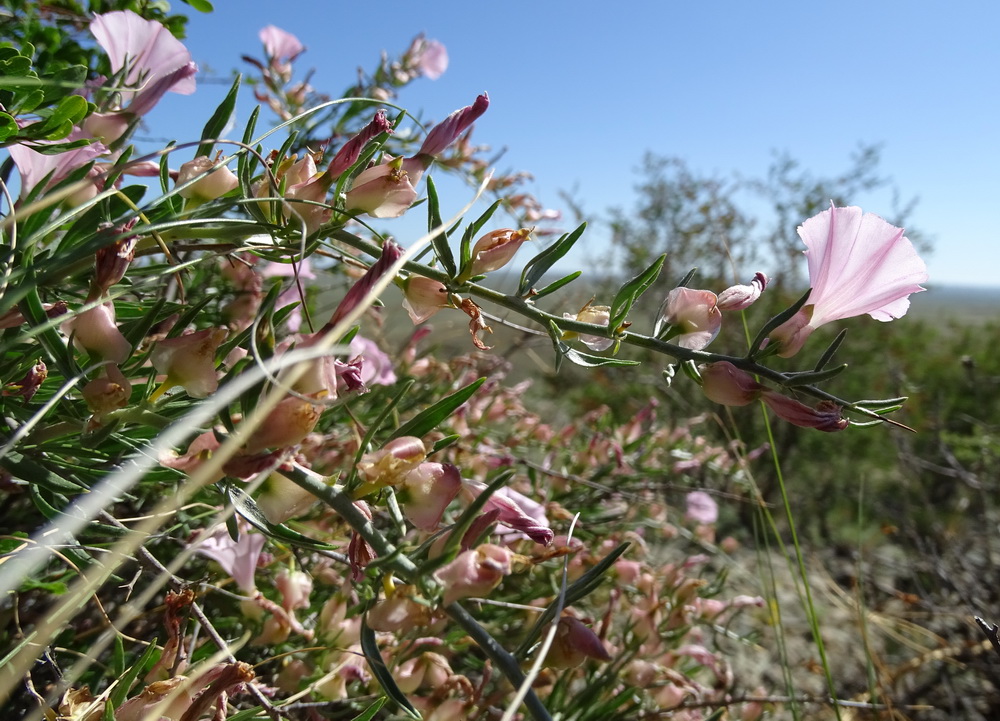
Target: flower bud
(94,330)
(349,152)
(447,131)
(495,249)
(573,644)
(211,184)
(724,383)
(111,261)
(29,383)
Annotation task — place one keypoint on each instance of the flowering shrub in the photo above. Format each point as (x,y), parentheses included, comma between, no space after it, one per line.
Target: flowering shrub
(326,520)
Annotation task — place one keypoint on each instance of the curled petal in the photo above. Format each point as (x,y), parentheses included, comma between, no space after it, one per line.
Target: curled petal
(741,297)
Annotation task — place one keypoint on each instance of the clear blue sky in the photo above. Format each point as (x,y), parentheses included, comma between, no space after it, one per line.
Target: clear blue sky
(581,90)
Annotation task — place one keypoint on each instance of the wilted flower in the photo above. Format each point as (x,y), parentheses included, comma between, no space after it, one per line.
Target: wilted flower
(154,61)
(376,367)
(515,510)
(389,465)
(693,316)
(286,425)
(826,416)
(28,385)
(741,297)
(495,249)
(189,361)
(349,152)
(474,572)
(598,315)
(858,263)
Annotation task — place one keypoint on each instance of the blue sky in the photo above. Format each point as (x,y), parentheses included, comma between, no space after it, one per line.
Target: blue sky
(581,90)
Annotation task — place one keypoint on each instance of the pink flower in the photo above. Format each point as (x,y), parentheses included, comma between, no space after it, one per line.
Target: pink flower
(423,297)
(94,330)
(701,507)
(210,184)
(426,492)
(428,57)
(376,368)
(287,425)
(382,191)
(474,572)
(33,166)
(189,361)
(237,558)
(280,45)
(154,61)
(857,264)
(694,316)
(390,465)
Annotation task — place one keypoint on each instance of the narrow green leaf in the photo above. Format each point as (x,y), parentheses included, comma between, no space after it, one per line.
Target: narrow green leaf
(579,589)
(831,350)
(374,427)
(118,657)
(794,380)
(220,118)
(538,266)
(369,647)
(369,713)
(442,249)
(124,684)
(632,290)
(202,6)
(248,508)
(428,419)
(553,287)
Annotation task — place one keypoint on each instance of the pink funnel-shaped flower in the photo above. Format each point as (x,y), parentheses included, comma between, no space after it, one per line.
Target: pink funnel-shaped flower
(34,166)
(475,572)
(857,264)
(189,361)
(154,60)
